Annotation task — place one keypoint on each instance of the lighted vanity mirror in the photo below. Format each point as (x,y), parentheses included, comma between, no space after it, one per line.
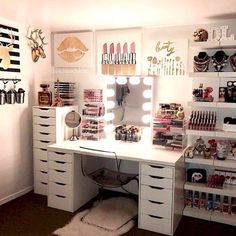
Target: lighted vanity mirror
(129,100)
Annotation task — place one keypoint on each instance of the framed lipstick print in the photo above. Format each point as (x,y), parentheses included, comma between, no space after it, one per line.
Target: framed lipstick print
(119,52)
(73,50)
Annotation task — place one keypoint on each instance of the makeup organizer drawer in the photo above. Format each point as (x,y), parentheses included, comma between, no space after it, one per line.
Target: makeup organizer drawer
(43,111)
(60,156)
(60,165)
(41,187)
(156,181)
(41,176)
(60,202)
(151,222)
(48,128)
(157,170)
(60,176)
(60,189)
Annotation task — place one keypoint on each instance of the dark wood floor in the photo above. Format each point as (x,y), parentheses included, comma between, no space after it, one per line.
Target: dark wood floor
(30,216)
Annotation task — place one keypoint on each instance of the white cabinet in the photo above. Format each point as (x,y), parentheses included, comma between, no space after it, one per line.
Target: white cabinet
(160,197)
(48,128)
(68,189)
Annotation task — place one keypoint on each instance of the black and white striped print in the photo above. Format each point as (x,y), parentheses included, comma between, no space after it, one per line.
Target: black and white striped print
(15,52)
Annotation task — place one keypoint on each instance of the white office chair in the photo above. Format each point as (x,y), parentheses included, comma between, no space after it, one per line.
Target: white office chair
(106,178)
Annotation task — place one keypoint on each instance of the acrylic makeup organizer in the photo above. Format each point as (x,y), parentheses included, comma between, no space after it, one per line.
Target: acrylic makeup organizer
(11,96)
(93,115)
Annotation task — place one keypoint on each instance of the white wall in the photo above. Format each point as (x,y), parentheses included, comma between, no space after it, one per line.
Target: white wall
(16,171)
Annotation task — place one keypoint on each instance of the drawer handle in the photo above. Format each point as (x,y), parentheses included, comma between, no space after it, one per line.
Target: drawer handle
(44,133)
(44,183)
(43,141)
(44,117)
(60,183)
(160,203)
(43,161)
(60,171)
(60,153)
(156,187)
(158,167)
(44,109)
(44,172)
(157,217)
(61,162)
(156,177)
(60,196)
(45,125)
(43,149)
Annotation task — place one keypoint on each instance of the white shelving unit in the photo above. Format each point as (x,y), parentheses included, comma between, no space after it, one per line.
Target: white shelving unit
(228,164)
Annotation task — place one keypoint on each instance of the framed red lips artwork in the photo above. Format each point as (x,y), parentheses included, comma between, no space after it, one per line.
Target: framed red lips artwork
(73,49)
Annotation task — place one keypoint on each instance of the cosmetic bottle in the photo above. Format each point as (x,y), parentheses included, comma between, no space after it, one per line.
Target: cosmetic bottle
(217,204)
(225,206)
(189,198)
(196,199)
(203,201)
(210,202)
(233,205)
(44,96)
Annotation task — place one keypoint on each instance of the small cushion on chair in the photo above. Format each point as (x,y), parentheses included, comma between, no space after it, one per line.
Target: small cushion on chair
(111,179)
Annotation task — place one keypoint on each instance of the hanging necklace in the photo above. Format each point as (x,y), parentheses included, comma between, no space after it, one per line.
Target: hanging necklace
(232,61)
(201,62)
(219,60)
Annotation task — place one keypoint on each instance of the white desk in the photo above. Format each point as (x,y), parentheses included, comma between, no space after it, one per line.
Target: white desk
(161,175)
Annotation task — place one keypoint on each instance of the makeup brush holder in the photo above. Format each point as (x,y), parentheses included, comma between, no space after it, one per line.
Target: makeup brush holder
(2,97)
(20,96)
(11,96)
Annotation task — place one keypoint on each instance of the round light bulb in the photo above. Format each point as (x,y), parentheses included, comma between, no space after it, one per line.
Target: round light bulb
(147,80)
(109,128)
(146,119)
(110,104)
(110,93)
(147,93)
(134,80)
(147,106)
(109,116)
(110,80)
(121,80)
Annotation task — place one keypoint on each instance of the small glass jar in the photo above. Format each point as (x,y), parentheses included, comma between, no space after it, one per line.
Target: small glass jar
(45,96)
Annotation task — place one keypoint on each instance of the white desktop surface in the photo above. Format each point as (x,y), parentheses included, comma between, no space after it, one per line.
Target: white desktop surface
(143,152)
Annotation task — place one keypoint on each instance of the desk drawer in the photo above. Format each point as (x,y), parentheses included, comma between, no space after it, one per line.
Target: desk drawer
(156,194)
(157,170)
(41,176)
(45,129)
(155,208)
(43,111)
(40,153)
(40,165)
(41,188)
(64,190)
(41,144)
(156,224)
(60,165)
(60,176)
(44,136)
(60,202)
(44,120)
(60,156)
(156,181)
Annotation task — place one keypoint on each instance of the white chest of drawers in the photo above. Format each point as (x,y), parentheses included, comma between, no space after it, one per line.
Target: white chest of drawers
(48,128)
(160,197)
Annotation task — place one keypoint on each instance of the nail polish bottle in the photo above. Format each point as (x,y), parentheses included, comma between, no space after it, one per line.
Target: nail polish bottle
(225,207)
(217,204)
(189,198)
(210,202)
(203,201)
(233,205)
(196,199)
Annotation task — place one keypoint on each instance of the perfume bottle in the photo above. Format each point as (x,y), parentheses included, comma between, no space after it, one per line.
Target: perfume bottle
(225,207)
(196,199)
(217,204)
(233,206)
(189,198)
(203,201)
(45,96)
(210,202)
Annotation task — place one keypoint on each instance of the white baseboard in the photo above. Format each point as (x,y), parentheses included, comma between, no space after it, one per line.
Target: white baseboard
(16,195)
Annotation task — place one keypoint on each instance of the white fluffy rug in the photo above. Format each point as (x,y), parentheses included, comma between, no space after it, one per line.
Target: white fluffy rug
(111,217)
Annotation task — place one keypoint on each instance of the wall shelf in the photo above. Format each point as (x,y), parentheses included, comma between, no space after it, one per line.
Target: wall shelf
(213,44)
(212,104)
(217,133)
(227,74)
(227,190)
(210,216)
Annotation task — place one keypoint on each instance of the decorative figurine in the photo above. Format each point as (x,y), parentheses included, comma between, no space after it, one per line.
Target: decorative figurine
(189,152)
(232,60)
(58,102)
(180,113)
(199,146)
(207,153)
(219,60)
(207,97)
(222,94)
(201,62)
(222,150)
(200,35)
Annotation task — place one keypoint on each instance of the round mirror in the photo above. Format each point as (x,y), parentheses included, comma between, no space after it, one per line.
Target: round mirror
(73,120)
